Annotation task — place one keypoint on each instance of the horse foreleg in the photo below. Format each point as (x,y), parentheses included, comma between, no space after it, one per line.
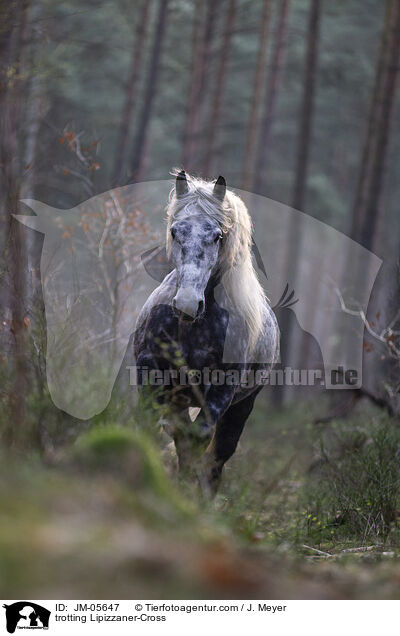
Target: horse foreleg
(189,450)
(189,444)
(228,430)
(193,438)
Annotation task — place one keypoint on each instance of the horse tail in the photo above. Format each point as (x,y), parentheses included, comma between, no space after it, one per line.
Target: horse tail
(286,300)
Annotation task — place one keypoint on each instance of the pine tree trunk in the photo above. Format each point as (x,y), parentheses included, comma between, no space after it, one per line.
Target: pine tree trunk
(196,77)
(131,92)
(374,117)
(11,156)
(270,99)
(198,89)
(257,90)
(215,114)
(373,208)
(150,91)
(301,349)
(32,120)
(295,350)
(33,103)
(307,107)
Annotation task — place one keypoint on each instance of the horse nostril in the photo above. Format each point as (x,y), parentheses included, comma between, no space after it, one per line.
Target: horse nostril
(200,307)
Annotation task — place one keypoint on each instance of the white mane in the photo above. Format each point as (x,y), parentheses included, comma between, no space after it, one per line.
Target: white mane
(239,278)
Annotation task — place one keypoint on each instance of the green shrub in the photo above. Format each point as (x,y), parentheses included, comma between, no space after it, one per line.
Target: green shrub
(355,490)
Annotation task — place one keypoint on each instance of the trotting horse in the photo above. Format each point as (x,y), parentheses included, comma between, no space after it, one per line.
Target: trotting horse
(208,320)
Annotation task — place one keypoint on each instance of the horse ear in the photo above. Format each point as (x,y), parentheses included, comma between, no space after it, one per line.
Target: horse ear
(156,263)
(181,184)
(220,188)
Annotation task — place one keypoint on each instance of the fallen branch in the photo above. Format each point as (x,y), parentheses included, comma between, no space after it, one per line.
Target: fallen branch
(320,552)
(361,549)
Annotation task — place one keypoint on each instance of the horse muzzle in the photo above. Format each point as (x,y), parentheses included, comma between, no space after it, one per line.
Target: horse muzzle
(188,304)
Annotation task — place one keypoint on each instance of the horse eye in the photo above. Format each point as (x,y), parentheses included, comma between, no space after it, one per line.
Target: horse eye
(173,232)
(218,238)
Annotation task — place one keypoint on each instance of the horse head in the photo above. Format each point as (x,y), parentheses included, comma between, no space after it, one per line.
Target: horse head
(195,241)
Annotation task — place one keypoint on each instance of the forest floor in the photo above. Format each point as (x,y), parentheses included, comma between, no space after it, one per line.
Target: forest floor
(106,519)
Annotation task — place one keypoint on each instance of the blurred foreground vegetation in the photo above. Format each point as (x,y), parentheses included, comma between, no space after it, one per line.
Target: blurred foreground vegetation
(304,511)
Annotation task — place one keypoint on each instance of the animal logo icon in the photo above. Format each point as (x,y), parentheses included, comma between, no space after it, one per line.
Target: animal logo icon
(26,615)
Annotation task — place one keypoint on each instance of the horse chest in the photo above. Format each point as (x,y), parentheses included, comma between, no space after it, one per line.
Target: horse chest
(176,343)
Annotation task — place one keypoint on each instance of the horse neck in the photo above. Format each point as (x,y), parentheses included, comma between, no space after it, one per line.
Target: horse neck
(213,281)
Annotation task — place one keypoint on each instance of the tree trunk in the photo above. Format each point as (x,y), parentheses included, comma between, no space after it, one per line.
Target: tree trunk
(32,121)
(374,118)
(131,92)
(303,158)
(258,84)
(196,76)
(307,107)
(33,104)
(198,88)
(270,99)
(295,350)
(15,249)
(7,56)
(212,128)
(150,91)
(373,208)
